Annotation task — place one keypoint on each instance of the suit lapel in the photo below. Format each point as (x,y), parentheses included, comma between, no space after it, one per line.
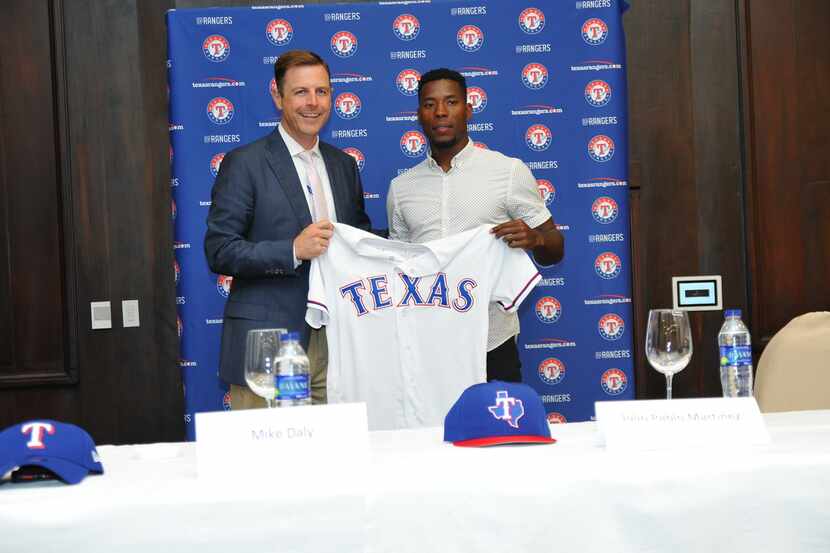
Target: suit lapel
(283,167)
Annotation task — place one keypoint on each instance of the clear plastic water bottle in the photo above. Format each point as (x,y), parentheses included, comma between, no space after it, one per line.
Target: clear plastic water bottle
(293,380)
(735,356)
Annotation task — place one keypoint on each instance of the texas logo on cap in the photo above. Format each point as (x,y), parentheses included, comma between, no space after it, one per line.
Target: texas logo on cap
(496,413)
(64,449)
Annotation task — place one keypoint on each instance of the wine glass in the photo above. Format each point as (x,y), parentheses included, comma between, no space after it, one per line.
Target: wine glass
(262,347)
(668,342)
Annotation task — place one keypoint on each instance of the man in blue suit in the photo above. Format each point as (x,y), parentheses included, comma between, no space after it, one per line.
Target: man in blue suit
(272,209)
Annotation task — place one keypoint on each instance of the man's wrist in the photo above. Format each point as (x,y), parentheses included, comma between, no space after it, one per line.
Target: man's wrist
(297,261)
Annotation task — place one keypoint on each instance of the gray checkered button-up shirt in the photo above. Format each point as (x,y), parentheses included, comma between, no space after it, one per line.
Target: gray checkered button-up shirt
(481,187)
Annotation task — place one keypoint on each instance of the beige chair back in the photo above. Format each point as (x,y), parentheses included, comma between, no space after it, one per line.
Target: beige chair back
(794,368)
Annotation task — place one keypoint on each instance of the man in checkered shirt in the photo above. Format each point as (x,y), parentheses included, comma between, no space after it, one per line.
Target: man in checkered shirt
(458,187)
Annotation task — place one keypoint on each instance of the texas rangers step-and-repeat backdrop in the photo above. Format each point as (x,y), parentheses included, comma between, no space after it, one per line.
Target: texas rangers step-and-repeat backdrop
(547,84)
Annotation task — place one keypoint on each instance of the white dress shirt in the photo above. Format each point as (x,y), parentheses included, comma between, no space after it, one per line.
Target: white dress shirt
(482,187)
(295,149)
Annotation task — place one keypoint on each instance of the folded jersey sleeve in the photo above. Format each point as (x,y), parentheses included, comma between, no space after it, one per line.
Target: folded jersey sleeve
(317,312)
(516,276)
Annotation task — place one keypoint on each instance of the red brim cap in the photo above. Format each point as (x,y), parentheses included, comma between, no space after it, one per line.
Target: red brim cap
(499,440)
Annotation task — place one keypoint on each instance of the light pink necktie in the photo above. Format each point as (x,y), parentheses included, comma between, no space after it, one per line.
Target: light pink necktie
(318,196)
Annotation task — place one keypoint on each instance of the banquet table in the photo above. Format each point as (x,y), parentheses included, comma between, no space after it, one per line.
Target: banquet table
(419,494)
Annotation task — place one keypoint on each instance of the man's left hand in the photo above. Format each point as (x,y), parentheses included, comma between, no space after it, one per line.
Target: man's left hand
(545,241)
(517,234)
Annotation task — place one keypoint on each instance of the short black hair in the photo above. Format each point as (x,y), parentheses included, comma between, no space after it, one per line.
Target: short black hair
(440,74)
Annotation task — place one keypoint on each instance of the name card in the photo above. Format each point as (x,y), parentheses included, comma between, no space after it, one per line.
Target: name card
(680,423)
(290,447)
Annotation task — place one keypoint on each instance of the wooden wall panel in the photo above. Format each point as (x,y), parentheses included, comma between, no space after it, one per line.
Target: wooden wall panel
(123,215)
(788,129)
(111,81)
(155,189)
(718,175)
(685,171)
(32,311)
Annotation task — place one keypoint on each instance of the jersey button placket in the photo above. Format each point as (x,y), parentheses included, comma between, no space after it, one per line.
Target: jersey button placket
(411,367)
(401,319)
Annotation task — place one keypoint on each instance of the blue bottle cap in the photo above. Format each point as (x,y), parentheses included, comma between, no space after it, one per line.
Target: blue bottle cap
(291,336)
(732,313)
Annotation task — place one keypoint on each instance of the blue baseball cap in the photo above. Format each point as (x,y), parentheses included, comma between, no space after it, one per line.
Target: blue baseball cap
(496,413)
(64,449)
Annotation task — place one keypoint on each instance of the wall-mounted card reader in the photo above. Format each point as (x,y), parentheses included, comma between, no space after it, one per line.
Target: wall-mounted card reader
(697,293)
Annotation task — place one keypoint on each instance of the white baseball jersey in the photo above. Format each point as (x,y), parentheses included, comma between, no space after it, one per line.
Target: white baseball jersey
(407,323)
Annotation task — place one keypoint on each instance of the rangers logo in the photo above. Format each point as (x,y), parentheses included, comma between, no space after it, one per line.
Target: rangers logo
(598,93)
(220,110)
(469,38)
(223,285)
(344,44)
(608,265)
(36,431)
(481,145)
(406,26)
(407,82)
(594,31)
(279,32)
(507,409)
(413,144)
(216,163)
(551,371)
(556,418)
(477,98)
(177,272)
(605,210)
(535,76)
(532,20)
(216,48)
(170,152)
(347,105)
(358,156)
(179,326)
(548,309)
(226,402)
(611,326)
(614,382)
(601,148)
(173,209)
(546,190)
(538,138)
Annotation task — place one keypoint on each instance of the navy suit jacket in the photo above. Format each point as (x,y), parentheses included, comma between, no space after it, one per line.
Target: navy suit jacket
(258,208)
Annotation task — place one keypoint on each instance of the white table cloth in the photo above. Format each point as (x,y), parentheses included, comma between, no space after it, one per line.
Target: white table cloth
(423,495)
